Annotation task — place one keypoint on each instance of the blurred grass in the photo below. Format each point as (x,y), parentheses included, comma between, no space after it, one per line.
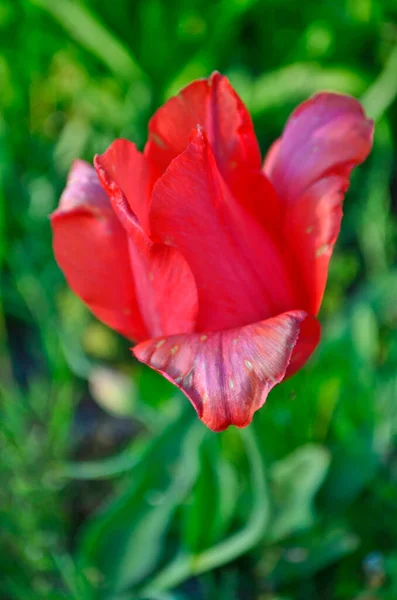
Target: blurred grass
(124,495)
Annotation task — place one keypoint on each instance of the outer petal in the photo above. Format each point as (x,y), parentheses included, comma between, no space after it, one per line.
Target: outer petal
(308,340)
(214,105)
(166,290)
(133,173)
(310,167)
(91,249)
(240,273)
(227,375)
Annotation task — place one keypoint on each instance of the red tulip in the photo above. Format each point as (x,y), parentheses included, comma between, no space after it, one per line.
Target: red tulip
(213,264)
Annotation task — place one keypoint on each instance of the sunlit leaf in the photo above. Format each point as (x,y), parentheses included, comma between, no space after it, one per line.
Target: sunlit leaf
(295,481)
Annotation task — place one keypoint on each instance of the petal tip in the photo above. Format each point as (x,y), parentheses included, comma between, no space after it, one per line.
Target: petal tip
(227,375)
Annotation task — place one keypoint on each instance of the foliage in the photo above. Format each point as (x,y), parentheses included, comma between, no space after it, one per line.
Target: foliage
(110,487)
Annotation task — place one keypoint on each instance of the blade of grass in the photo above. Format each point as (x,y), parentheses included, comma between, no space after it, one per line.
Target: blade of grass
(297,81)
(84,27)
(382,93)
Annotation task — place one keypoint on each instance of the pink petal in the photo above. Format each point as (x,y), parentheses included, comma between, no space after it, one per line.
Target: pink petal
(91,249)
(239,270)
(214,105)
(227,375)
(165,287)
(310,167)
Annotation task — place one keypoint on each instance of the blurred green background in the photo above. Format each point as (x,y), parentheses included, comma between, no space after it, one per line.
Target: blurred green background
(110,487)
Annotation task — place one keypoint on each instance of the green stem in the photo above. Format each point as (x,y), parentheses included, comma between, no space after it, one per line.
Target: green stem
(188,565)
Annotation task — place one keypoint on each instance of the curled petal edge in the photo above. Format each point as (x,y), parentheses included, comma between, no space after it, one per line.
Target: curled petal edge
(228,374)
(159,272)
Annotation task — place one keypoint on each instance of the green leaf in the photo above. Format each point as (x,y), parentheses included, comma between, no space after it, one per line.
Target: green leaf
(316,551)
(381,94)
(213,499)
(354,464)
(124,542)
(295,82)
(186,565)
(295,481)
(83,26)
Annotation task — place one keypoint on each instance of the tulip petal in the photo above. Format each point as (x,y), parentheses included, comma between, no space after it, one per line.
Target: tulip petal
(227,375)
(239,270)
(308,339)
(133,173)
(91,249)
(214,105)
(165,287)
(310,167)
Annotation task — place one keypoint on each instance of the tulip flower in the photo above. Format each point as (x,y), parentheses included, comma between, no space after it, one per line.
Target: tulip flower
(214,264)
